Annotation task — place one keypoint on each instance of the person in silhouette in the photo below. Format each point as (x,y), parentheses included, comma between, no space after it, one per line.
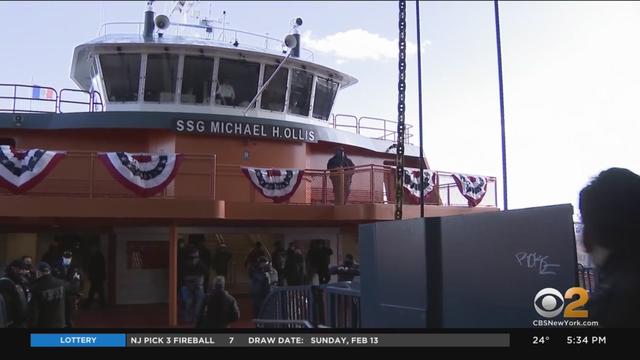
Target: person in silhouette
(220,308)
(341,173)
(610,211)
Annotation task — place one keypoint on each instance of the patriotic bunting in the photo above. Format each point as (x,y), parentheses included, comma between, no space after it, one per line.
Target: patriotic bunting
(21,171)
(275,184)
(473,188)
(144,174)
(411,184)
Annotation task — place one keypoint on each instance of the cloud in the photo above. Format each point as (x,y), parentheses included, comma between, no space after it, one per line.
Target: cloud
(357,44)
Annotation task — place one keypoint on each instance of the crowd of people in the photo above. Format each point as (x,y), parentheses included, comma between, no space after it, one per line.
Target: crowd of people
(46,295)
(264,269)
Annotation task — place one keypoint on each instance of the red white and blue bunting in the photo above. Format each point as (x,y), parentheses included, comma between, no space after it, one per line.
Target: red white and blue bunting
(275,184)
(411,184)
(144,174)
(21,171)
(473,188)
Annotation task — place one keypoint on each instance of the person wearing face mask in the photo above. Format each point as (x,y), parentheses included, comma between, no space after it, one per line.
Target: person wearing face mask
(67,271)
(14,290)
(610,212)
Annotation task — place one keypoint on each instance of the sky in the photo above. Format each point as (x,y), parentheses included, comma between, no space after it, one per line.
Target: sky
(571,75)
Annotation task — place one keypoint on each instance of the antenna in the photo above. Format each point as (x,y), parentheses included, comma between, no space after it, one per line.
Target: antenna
(291,42)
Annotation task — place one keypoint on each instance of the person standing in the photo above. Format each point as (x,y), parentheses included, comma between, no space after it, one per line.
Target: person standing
(14,289)
(28,263)
(220,308)
(263,277)
(279,259)
(49,300)
(610,212)
(294,266)
(222,260)
(67,271)
(97,275)
(193,286)
(324,260)
(341,175)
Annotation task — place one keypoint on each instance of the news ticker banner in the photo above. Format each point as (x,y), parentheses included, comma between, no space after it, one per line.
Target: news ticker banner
(270,340)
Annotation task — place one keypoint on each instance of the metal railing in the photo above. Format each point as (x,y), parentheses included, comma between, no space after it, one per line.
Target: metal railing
(200,176)
(334,305)
(211,33)
(372,127)
(20,98)
(587,278)
(82,175)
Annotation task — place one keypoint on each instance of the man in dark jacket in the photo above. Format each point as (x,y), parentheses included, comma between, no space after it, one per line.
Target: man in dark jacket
(279,260)
(610,212)
(220,308)
(193,286)
(48,306)
(294,267)
(97,274)
(222,259)
(341,175)
(319,258)
(198,242)
(28,264)
(16,293)
(67,271)
(263,277)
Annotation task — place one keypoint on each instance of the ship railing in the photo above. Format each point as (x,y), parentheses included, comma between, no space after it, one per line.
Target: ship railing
(372,127)
(21,98)
(363,184)
(81,174)
(214,34)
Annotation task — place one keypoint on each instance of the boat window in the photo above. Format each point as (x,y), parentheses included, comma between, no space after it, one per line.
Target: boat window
(274,95)
(326,90)
(121,74)
(196,80)
(300,95)
(237,82)
(160,82)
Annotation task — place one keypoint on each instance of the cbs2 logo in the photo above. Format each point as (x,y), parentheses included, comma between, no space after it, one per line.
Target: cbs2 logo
(549,302)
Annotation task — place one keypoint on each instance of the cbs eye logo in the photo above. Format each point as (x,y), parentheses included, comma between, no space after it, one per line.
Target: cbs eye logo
(549,303)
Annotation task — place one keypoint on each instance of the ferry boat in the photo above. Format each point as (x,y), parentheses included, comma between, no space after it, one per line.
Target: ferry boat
(183,130)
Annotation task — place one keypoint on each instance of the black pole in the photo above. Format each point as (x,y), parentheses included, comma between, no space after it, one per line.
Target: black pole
(420,112)
(502,130)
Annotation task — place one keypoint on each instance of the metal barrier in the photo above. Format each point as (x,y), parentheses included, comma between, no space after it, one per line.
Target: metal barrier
(291,303)
(28,98)
(282,324)
(19,98)
(333,305)
(211,33)
(587,278)
(340,306)
(373,127)
(90,103)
